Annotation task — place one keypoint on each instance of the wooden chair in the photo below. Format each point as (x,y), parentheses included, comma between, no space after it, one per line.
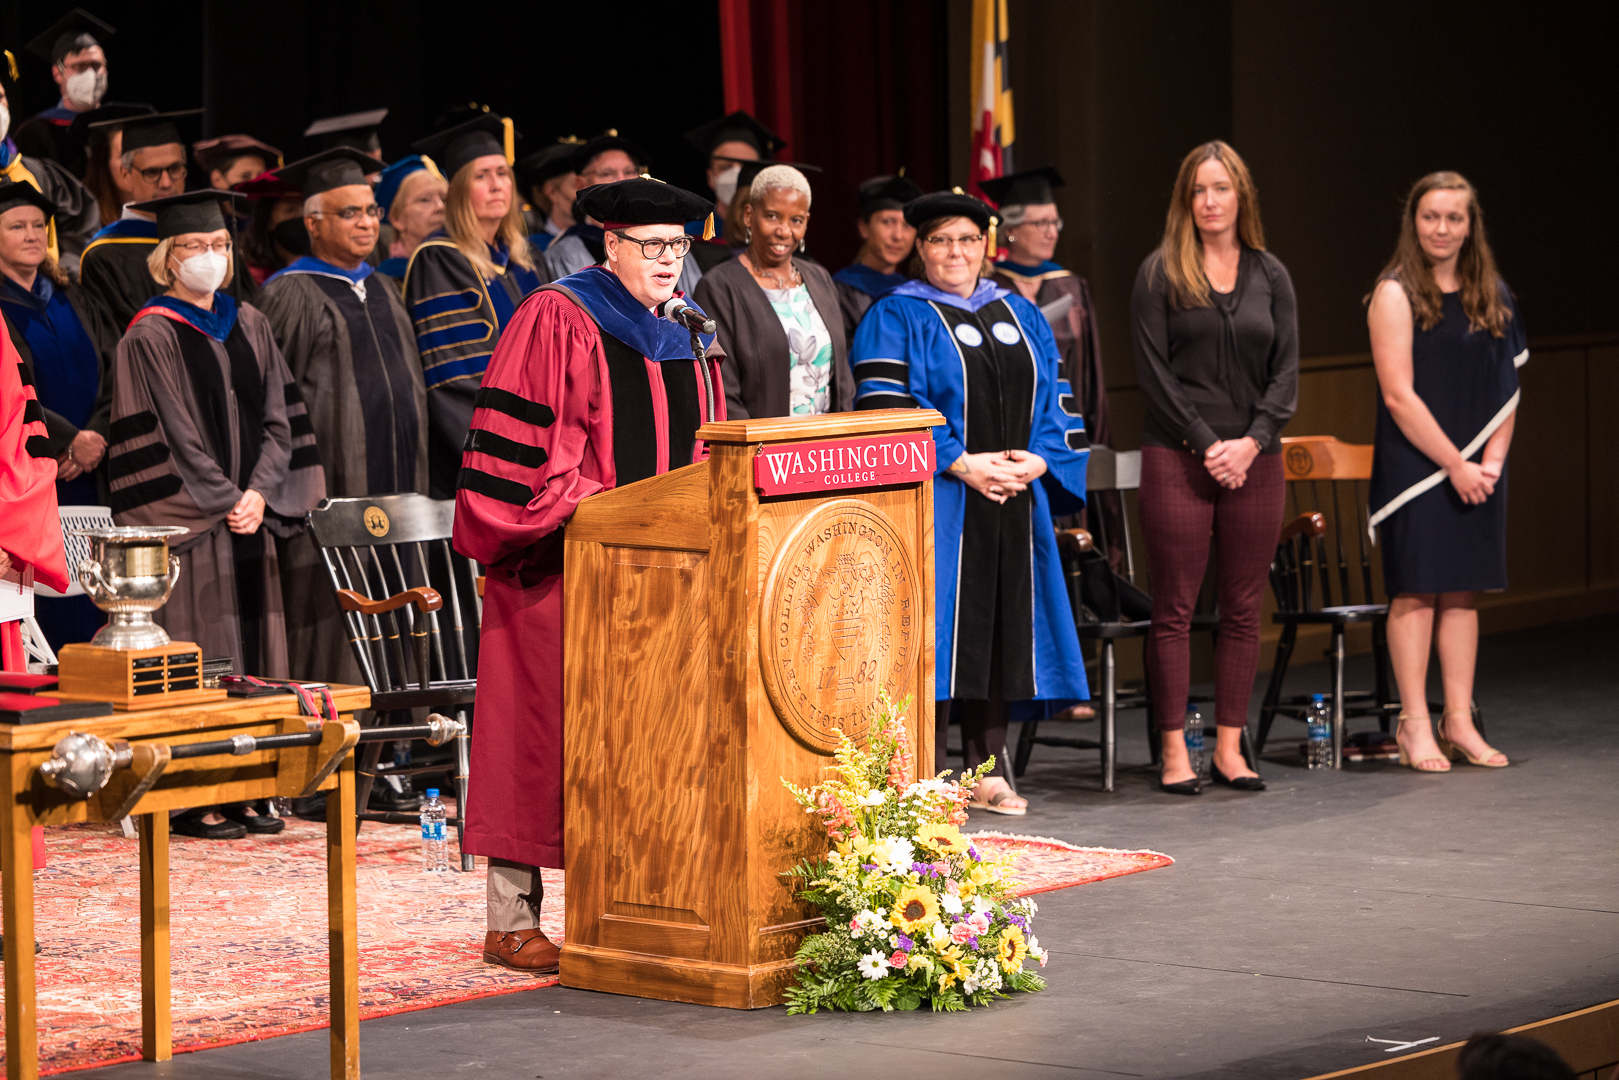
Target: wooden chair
(1322,576)
(398,547)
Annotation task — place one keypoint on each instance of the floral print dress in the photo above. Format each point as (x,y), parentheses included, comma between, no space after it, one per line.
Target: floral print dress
(809,346)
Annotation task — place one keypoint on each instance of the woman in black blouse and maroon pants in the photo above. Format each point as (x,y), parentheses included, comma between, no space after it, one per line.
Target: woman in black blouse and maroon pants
(1217,355)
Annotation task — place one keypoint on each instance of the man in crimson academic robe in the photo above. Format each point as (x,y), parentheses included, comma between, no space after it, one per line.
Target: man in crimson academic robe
(588,390)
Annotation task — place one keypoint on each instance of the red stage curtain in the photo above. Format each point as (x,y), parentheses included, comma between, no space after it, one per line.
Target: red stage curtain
(857,87)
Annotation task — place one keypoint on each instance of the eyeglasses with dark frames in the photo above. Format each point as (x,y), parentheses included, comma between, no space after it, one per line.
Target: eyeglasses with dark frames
(652,250)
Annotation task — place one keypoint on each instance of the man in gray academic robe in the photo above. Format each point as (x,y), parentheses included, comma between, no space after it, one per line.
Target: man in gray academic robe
(349,343)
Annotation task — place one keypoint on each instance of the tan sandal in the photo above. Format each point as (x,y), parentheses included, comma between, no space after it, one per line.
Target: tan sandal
(1457,753)
(1439,764)
(995,804)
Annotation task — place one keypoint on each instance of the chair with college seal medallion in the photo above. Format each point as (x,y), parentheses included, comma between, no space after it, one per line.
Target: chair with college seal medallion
(412,611)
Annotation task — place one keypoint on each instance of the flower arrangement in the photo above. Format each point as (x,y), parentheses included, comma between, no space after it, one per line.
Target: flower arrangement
(914,913)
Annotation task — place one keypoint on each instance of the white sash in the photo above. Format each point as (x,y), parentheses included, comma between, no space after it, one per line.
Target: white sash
(1468,451)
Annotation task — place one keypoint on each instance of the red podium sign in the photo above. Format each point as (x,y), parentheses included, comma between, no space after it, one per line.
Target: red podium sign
(841,464)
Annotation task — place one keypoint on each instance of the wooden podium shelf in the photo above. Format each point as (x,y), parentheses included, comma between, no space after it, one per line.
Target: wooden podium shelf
(715,639)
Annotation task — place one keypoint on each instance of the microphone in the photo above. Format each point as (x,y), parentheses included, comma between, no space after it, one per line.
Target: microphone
(676,310)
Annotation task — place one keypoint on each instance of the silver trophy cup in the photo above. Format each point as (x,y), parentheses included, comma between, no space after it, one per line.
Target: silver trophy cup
(129,575)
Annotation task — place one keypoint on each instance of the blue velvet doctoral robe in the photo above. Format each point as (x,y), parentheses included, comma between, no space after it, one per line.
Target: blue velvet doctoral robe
(920,347)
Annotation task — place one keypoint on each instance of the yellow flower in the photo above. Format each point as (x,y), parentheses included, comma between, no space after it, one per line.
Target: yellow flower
(981,874)
(1012,948)
(861,845)
(945,839)
(916,909)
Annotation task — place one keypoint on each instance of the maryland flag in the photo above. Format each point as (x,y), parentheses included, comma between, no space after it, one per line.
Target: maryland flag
(992,91)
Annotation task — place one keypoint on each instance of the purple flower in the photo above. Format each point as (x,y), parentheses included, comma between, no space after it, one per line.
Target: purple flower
(972,943)
(972,851)
(905,943)
(1017,921)
(868,866)
(922,868)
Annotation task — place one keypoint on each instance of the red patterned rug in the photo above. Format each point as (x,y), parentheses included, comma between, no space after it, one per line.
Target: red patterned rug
(248,930)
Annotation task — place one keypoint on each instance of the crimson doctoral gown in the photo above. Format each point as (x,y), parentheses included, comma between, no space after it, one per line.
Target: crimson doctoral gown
(586,392)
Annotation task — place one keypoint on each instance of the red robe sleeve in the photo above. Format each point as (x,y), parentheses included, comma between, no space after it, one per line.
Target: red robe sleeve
(30,528)
(528,459)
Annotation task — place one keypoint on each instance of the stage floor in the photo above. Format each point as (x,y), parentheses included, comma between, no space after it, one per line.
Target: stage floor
(1296,924)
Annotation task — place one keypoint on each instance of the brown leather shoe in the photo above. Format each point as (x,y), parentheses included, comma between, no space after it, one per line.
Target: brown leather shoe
(491,946)
(528,951)
(1076,712)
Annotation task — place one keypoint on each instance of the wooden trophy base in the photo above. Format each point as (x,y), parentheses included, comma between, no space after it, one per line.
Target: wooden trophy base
(134,679)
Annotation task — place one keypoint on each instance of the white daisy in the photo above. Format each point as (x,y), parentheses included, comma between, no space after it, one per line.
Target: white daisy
(873,965)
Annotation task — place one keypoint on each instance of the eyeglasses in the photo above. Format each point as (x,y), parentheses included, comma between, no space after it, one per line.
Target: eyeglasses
(945,243)
(349,213)
(193,247)
(1048,225)
(653,249)
(176,172)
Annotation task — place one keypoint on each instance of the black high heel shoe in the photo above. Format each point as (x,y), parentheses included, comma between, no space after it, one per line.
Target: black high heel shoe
(1241,783)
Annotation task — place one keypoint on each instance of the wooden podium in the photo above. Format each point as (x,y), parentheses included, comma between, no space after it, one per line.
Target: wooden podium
(722,619)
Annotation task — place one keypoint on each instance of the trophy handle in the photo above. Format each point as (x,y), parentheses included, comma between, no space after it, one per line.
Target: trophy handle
(174,570)
(88,569)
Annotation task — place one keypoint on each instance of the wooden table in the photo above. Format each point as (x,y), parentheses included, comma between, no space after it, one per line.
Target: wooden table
(149,788)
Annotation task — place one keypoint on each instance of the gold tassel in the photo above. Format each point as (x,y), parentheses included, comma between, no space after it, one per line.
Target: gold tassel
(432,166)
(11,65)
(990,250)
(708,228)
(901,171)
(511,139)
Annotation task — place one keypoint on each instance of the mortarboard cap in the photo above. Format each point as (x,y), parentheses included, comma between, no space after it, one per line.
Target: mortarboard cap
(608,140)
(217,153)
(76,30)
(358,129)
(751,169)
(267,185)
(640,201)
(455,147)
(112,110)
(944,204)
(1031,187)
(393,178)
(195,211)
(142,130)
(886,193)
(13,195)
(341,166)
(553,160)
(736,127)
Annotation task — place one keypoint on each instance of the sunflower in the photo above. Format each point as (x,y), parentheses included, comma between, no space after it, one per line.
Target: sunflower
(1012,949)
(915,909)
(945,839)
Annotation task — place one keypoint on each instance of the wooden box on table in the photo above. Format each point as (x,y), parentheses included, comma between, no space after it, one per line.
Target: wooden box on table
(722,619)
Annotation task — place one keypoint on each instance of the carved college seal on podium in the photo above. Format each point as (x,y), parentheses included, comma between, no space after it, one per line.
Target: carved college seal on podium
(840,622)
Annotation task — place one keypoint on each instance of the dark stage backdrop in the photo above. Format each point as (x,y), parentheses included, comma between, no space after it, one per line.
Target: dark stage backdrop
(557,69)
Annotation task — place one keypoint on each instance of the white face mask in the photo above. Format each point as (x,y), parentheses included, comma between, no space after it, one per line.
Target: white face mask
(203,273)
(725,185)
(5,120)
(85,90)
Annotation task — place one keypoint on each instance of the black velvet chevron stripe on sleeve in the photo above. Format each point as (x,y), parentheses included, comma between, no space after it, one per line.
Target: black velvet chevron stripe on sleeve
(514,406)
(496,487)
(132,426)
(518,453)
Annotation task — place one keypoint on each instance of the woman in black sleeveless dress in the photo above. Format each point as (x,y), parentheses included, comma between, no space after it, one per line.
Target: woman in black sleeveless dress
(1447,341)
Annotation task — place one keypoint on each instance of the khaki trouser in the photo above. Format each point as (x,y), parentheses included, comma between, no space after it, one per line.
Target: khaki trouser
(514,893)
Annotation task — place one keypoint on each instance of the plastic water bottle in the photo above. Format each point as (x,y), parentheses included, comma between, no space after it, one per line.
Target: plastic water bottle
(1194,741)
(435,852)
(1319,718)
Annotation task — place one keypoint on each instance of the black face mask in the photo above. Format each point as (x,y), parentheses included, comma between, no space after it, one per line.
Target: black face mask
(292,236)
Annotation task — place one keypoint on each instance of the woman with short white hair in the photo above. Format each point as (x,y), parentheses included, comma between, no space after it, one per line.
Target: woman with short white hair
(778,316)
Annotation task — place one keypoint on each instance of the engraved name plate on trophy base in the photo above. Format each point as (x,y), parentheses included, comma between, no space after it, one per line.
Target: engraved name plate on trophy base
(163,676)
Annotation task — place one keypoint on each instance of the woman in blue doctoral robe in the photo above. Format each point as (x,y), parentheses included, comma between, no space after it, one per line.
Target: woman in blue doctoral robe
(1012,451)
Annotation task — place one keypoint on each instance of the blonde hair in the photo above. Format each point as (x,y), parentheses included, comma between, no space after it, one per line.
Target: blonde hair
(407,190)
(157,263)
(462,226)
(1179,258)
(1475,264)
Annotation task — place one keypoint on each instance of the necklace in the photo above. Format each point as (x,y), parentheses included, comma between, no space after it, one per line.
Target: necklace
(794,279)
